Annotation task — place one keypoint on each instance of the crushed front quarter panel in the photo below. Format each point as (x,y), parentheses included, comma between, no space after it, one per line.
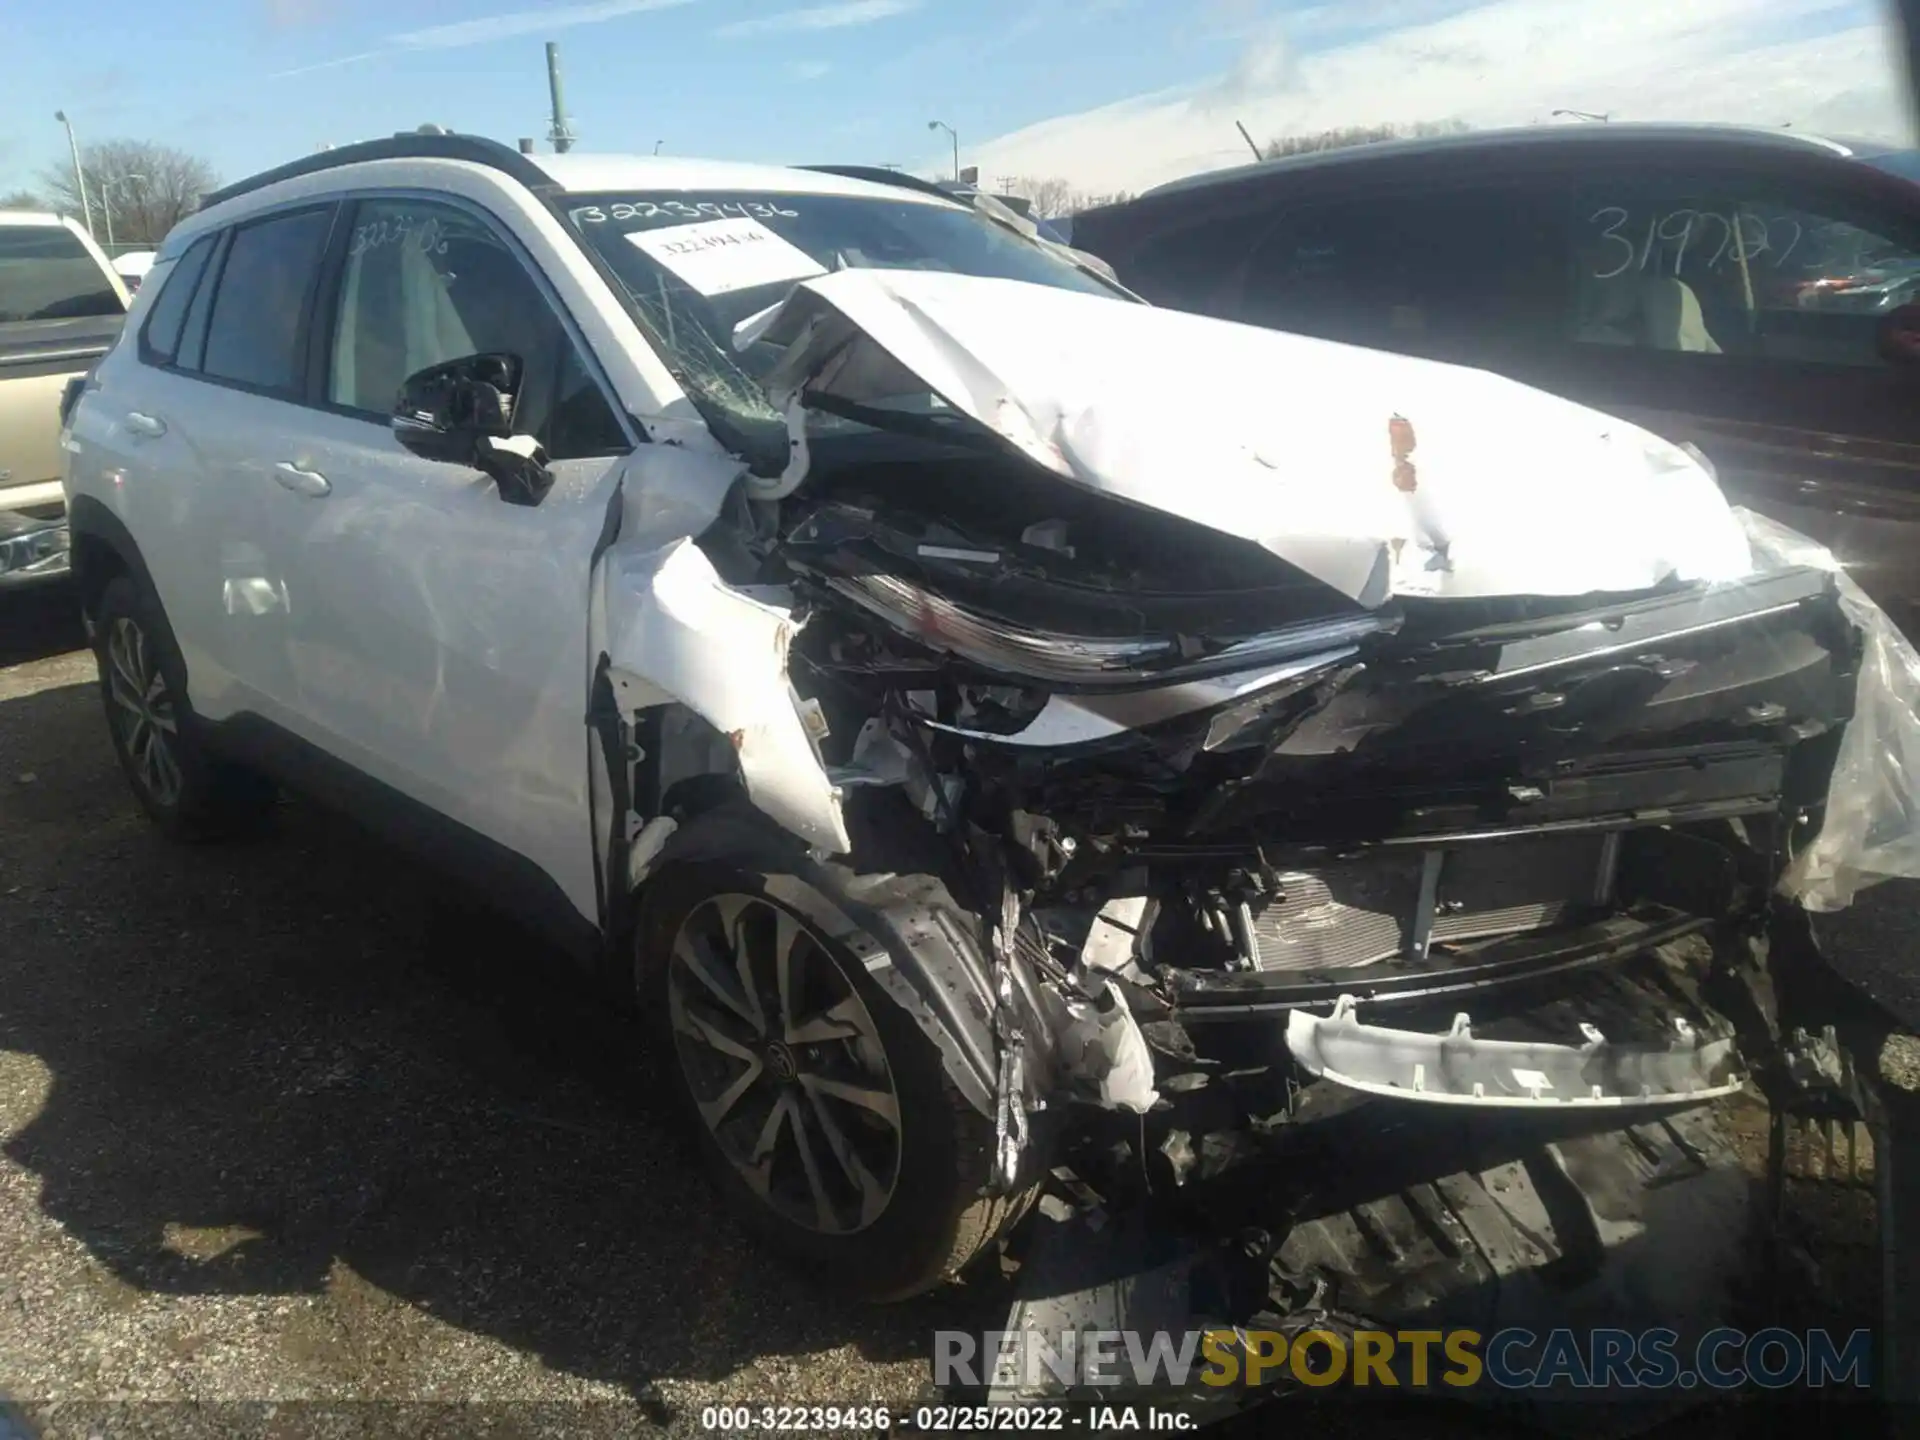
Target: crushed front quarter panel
(1377,474)
(667,629)
(677,632)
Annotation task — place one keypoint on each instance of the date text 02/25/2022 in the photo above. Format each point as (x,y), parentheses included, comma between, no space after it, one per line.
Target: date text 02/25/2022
(941,1419)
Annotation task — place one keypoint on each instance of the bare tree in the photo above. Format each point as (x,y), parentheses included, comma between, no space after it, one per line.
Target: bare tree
(21,200)
(1346,135)
(1051,196)
(150,187)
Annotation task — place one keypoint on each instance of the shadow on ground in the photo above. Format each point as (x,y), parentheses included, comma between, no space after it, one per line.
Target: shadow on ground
(39,621)
(296,1050)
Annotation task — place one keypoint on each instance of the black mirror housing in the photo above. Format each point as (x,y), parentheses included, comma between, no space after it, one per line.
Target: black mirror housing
(461,412)
(443,411)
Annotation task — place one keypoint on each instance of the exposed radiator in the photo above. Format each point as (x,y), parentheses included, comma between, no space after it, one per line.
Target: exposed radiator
(1362,911)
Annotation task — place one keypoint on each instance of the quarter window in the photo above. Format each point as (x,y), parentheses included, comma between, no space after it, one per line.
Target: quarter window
(166,320)
(254,334)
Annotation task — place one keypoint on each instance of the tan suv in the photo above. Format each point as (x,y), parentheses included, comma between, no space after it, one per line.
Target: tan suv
(61,307)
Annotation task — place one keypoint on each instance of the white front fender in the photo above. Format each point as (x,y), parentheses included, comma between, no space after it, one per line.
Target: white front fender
(676,632)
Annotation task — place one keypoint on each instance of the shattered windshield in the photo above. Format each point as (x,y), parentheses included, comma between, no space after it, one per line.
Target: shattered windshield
(698,263)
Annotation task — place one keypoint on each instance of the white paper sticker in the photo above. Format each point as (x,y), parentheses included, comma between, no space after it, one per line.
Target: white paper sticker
(716,257)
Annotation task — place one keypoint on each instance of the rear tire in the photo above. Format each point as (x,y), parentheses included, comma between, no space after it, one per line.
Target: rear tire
(185,789)
(886,1196)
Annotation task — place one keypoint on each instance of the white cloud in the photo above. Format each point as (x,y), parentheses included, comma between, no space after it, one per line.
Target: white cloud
(522,22)
(460,33)
(808,69)
(1508,62)
(818,17)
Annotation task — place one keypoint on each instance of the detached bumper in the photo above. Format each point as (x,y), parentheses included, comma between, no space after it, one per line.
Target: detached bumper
(1458,1068)
(32,550)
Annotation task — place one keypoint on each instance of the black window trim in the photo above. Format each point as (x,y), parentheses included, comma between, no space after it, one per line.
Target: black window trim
(144,348)
(333,276)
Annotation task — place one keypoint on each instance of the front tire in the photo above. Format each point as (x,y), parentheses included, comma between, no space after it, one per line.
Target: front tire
(187,791)
(823,1112)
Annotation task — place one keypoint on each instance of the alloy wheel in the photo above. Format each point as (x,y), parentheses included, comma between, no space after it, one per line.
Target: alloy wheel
(786,1067)
(142,711)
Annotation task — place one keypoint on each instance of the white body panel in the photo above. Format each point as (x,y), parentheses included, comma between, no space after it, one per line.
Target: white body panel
(1279,439)
(434,635)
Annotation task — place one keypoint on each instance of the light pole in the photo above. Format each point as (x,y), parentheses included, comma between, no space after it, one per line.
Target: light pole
(942,125)
(106,200)
(79,175)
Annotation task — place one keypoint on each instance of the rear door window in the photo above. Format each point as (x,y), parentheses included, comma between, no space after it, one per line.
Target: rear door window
(1453,272)
(256,332)
(1743,269)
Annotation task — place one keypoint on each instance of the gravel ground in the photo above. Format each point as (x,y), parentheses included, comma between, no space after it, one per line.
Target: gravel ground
(278,1122)
(282,1122)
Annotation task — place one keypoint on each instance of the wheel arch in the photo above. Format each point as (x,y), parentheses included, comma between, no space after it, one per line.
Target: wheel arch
(906,922)
(102,550)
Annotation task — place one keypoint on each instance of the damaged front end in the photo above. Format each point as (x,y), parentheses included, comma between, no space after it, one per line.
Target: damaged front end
(1241,798)
(1465,860)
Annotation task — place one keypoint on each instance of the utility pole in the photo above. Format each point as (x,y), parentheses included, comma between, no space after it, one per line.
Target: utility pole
(952,135)
(79,175)
(106,200)
(560,135)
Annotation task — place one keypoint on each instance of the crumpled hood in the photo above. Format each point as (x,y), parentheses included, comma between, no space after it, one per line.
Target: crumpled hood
(1377,474)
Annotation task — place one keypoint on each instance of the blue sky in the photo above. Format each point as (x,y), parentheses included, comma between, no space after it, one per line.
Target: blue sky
(1107,92)
(855,80)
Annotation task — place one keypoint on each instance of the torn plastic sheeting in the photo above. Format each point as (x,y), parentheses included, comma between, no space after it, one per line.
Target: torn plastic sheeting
(1872,827)
(677,632)
(1114,937)
(1099,1048)
(1458,1068)
(1280,439)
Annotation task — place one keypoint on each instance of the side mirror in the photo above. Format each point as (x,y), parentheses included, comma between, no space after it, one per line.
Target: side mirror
(1897,336)
(461,412)
(444,409)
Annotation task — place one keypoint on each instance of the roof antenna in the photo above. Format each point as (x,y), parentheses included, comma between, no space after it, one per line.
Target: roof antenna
(1249,139)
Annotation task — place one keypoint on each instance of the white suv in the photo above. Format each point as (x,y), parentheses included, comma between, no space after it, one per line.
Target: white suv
(965,702)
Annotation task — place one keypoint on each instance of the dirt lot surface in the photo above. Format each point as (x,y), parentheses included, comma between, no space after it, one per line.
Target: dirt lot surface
(280,1121)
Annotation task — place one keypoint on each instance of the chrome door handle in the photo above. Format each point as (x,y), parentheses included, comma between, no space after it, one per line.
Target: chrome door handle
(147,425)
(301,482)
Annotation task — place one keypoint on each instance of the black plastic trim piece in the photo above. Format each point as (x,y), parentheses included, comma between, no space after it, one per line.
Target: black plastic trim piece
(474,149)
(880,175)
(1213,995)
